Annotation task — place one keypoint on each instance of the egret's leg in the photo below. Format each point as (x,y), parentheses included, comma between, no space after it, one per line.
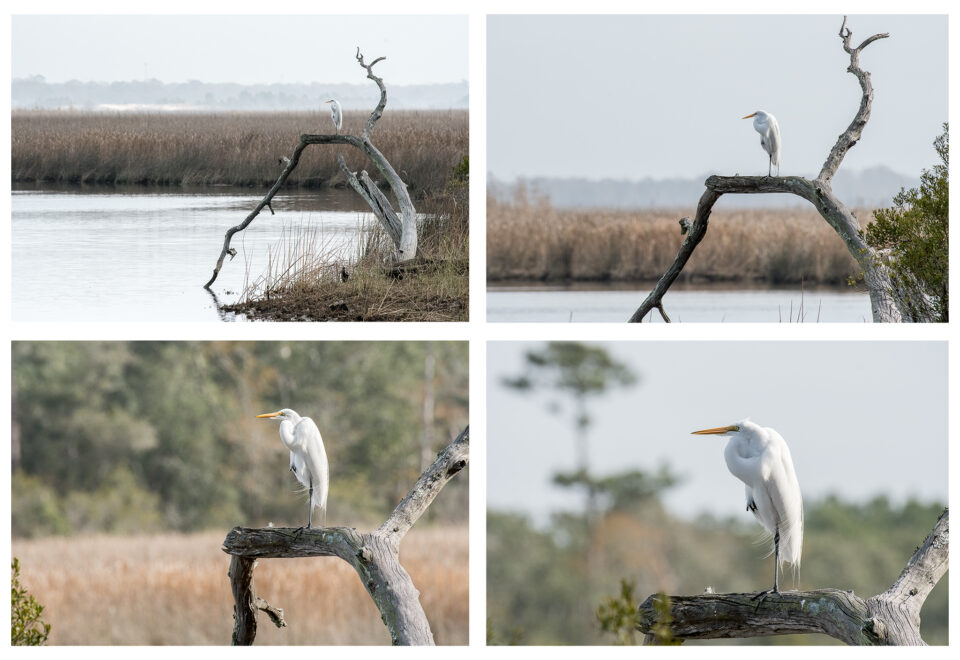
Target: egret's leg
(310,511)
(776,569)
(776,560)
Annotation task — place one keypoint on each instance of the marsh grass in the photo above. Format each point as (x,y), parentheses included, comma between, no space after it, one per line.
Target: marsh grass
(528,239)
(303,280)
(239,148)
(174,589)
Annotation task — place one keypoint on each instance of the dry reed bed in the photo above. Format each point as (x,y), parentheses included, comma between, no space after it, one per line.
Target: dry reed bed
(532,240)
(174,589)
(226,148)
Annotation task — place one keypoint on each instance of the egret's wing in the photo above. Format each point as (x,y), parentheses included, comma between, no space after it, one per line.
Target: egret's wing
(314,455)
(784,490)
(773,138)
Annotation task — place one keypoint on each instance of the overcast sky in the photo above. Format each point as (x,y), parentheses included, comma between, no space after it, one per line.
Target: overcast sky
(240,49)
(631,97)
(861,419)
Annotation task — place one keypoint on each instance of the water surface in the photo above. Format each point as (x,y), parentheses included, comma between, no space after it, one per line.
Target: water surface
(516,304)
(121,256)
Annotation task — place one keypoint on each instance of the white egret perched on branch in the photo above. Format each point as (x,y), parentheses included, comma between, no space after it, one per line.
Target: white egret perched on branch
(766,125)
(308,460)
(760,458)
(336,114)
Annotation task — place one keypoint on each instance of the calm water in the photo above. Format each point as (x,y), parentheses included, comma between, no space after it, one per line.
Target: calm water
(564,305)
(146,256)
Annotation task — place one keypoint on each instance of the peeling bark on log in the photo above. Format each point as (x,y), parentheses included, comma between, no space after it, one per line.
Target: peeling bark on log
(886,301)
(401,228)
(890,618)
(375,556)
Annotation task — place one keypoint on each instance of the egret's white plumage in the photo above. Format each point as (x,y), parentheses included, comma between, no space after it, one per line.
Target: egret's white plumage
(308,459)
(766,125)
(336,114)
(759,457)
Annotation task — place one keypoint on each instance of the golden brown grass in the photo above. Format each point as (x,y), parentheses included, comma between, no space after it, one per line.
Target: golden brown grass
(532,240)
(302,283)
(174,589)
(240,148)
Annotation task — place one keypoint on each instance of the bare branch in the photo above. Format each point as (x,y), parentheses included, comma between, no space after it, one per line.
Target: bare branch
(375,556)
(852,135)
(378,111)
(244,601)
(402,229)
(448,463)
(816,192)
(291,164)
(900,604)
(832,612)
(890,618)
(694,236)
(275,613)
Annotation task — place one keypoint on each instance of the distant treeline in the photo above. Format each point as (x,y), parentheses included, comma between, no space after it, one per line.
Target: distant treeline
(530,239)
(545,583)
(143,436)
(35,93)
(241,149)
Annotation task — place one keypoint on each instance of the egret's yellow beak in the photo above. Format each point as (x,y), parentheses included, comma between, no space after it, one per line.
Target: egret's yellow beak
(276,414)
(330,101)
(720,430)
(748,116)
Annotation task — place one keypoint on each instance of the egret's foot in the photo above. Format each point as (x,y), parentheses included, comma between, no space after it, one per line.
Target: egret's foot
(761,596)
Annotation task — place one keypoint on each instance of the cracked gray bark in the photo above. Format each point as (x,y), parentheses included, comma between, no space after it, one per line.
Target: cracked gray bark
(891,618)
(402,227)
(886,301)
(374,555)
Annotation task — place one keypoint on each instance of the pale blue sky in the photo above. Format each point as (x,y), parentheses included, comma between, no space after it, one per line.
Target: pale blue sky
(631,97)
(861,418)
(240,49)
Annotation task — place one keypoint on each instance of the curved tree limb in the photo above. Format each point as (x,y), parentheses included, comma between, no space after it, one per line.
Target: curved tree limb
(448,463)
(890,618)
(375,555)
(885,300)
(852,135)
(402,228)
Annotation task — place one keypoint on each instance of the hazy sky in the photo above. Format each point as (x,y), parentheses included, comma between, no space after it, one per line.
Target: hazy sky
(662,96)
(861,419)
(240,49)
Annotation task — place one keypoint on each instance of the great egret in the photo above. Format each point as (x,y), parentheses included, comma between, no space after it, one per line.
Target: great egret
(308,460)
(336,114)
(766,125)
(760,458)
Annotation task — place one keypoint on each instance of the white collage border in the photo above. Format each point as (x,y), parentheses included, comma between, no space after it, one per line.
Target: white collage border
(477,331)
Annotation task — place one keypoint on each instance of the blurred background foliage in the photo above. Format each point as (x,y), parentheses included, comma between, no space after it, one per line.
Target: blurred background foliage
(546,582)
(127,437)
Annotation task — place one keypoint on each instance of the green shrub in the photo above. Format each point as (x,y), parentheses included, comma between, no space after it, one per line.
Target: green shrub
(26,627)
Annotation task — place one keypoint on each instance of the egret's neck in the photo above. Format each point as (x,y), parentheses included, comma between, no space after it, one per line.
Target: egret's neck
(286,433)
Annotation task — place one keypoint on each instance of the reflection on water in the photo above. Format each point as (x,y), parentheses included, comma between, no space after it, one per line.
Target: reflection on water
(145,256)
(559,305)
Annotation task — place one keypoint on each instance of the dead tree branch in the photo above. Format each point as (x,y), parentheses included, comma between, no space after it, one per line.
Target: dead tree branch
(891,618)
(886,302)
(375,555)
(402,227)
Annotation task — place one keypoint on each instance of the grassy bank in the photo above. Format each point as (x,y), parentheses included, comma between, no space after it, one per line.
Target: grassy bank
(173,589)
(229,148)
(531,240)
(304,284)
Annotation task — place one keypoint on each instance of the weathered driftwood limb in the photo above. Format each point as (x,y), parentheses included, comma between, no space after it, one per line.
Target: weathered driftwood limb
(375,555)
(401,228)
(885,301)
(890,618)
